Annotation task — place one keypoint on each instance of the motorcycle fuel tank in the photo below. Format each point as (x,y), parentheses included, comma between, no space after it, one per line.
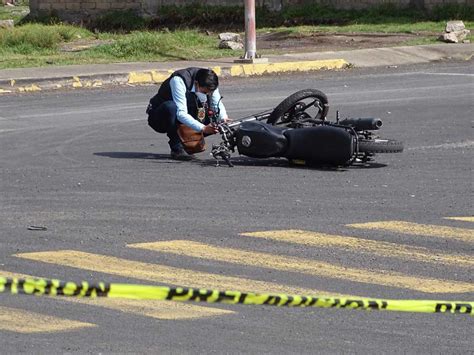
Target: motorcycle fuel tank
(260,140)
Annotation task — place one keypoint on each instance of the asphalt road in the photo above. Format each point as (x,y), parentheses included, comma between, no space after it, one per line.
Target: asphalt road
(85,165)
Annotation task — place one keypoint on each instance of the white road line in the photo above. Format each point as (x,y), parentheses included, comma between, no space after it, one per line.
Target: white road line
(84,111)
(466,144)
(449,74)
(462,219)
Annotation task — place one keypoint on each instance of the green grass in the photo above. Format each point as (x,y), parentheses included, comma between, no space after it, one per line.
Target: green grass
(388,27)
(420,41)
(136,46)
(387,13)
(39,37)
(16,13)
(178,45)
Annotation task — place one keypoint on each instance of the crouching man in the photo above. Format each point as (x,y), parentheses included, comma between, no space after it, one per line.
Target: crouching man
(182,109)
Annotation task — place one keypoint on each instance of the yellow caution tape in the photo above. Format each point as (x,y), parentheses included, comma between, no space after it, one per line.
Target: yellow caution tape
(115,290)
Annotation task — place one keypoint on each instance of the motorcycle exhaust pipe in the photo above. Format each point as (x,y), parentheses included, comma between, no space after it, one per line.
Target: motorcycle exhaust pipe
(362,124)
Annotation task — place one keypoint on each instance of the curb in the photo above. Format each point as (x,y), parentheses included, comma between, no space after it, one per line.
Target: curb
(157,76)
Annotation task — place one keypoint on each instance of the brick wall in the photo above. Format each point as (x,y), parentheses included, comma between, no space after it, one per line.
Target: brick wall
(77,10)
(361,4)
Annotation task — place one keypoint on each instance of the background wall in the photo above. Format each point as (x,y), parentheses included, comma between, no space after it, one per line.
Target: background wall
(77,9)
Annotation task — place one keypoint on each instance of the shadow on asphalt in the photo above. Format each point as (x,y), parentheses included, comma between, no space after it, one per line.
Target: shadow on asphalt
(133,155)
(239,161)
(283,163)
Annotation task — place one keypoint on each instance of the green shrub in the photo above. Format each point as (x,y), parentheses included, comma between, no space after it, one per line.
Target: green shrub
(453,12)
(313,15)
(119,21)
(232,17)
(197,15)
(49,18)
(131,45)
(70,33)
(32,36)
(36,37)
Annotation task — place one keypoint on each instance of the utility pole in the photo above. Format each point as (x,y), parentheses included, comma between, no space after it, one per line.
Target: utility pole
(250,55)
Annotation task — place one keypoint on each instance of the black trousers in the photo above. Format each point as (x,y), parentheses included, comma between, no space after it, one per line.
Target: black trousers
(162,117)
(163,120)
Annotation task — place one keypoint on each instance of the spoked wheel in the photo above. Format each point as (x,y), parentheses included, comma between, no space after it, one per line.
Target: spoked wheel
(308,103)
(380,146)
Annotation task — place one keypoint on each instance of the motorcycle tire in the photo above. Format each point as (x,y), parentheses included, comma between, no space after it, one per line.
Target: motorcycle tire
(380,146)
(291,101)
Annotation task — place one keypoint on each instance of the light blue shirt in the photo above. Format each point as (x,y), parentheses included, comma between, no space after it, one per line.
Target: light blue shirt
(178,92)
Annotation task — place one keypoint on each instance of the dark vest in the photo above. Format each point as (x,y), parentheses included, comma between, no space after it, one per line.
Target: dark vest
(164,92)
(194,105)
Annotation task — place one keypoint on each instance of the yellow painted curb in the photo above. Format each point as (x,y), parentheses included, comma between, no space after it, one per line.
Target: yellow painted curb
(140,77)
(30,88)
(217,70)
(159,77)
(267,68)
(154,76)
(148,77)
(76,82)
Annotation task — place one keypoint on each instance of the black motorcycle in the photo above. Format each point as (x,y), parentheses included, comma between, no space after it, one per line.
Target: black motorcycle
(297,129)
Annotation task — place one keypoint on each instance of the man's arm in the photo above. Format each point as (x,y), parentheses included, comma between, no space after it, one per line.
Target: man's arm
(178,91)
(216,96)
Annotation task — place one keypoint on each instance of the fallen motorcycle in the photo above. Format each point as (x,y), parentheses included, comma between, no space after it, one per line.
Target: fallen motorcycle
(298,130)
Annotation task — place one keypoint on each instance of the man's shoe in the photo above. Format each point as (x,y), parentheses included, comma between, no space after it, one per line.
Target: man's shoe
(181,155)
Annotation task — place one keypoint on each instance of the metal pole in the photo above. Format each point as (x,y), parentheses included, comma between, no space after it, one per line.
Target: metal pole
(250,55)
(250,35)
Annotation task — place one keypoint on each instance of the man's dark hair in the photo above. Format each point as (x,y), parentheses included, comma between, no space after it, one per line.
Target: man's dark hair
(207,78)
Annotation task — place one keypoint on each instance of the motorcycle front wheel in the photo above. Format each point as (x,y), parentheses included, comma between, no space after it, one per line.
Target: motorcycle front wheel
(303,104)
(380,146)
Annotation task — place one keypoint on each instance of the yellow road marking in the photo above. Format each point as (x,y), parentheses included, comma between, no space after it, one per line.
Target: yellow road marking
(21,321)
(463,234)
(155,309)
(311,267)
(163,274)
(463,219)
(384,249)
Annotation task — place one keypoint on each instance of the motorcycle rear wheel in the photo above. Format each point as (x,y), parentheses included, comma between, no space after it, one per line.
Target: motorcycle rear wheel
(296,104)
(380,146)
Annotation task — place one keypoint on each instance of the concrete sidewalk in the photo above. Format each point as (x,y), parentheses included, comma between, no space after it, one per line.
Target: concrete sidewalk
(97,75)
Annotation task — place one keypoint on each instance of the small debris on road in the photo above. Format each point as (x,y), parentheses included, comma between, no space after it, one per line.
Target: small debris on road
(37,228)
